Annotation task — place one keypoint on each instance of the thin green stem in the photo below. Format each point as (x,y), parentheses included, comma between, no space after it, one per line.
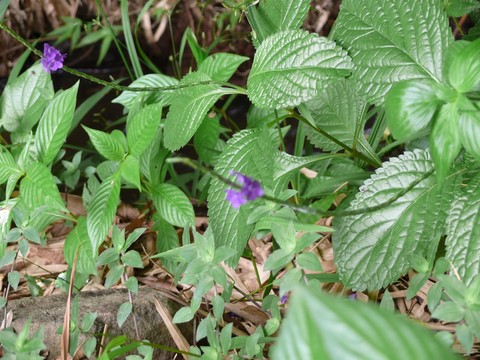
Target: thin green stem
(113,85)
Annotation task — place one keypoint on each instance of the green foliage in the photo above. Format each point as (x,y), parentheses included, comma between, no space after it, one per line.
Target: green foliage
(344,326)
(390,41)
(21,346)
(276,81)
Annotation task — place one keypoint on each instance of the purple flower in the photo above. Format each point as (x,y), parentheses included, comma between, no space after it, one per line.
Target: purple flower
(52,59)
(284,299)
(251,189)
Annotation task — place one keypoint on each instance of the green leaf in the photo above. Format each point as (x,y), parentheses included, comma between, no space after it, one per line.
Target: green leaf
(393,40)
(270,17)
(350,330)
(130,169)
(409,107)
(173,205)
(152,160)
(250,152)
(54,125)
(132,258)
(114,275)
(142,128)
(132,284)
(463,71)
(338,110)
(102,210)
(445,143)
(465,336)
(8,166)
(78,240)
(457,8)
(309,261)
(24,99)
(14,279)
(87,321)
(372,249)
(463,231)
(124,312)
(221,66)
(130,98)
(183,315)
(469,128)
(189,107)
(278,79)
(449,312)
(108,145)
(206,139)
(38,188)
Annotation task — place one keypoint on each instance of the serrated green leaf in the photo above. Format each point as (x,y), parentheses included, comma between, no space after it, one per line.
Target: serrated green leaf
(463,71)
(458,8)
(250,152)
(8,166)
(393,40)
(278,79)
(106,144)
(78,240)
(350,330)
(189,107)
(372,249)
(469,128)
(124,312)
(338,110)
(54,124)
(173,205)
(463,231)
(130,98)
(27,95)
(38,188)
(270,17)
(102,210)
(221,66)
(142,128)
(206,139)
(409,107)
(445,142)
(130,169)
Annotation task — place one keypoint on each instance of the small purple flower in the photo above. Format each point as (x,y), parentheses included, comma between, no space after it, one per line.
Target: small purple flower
(284,299)
(52,59)
(251,190)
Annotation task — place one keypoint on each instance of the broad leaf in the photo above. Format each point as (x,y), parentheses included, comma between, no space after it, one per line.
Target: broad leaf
(270,17)
(130,169)
(345,329)
(250,152)
(279,79)
(78,240)
(142,128)
(129,98)
(338,110)
(24,100)
(108,145)
(38,188)
(189,107)
(173,205)
(221,66)
(409,107)
(152,160)
(206,139)
(463,71)
(8,166)
(372,249)
(54,125)
(445,142)
(469,127)
(393,40)
(102,210)
(463,230)
(457,8)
